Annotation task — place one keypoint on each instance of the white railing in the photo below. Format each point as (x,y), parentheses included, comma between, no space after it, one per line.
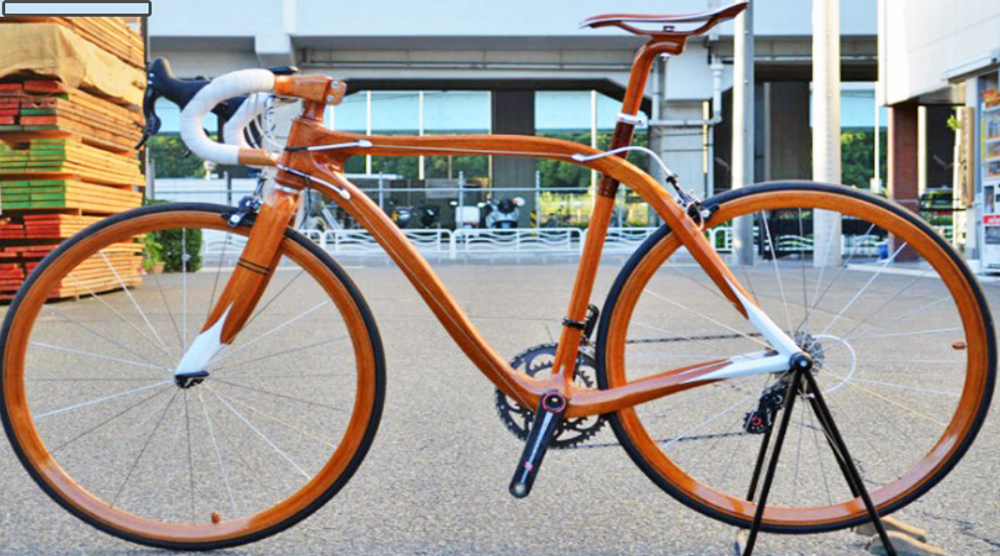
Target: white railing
(629,239)
(625,239)
(721,238)
(361,242)
(518,240)
(524,240)
(218,245)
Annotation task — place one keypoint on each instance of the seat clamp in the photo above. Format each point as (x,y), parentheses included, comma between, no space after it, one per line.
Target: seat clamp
(574,324)
(633,120)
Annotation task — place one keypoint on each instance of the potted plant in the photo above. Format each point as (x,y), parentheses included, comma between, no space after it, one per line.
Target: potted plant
(153,261)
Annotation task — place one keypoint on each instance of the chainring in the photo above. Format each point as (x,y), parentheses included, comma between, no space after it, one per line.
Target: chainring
(518,419)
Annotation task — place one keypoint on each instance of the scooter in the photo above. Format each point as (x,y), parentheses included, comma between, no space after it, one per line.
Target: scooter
(503,214)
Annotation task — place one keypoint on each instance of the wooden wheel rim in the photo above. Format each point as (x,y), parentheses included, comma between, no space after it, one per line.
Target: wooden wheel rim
(965,421)
(62,487)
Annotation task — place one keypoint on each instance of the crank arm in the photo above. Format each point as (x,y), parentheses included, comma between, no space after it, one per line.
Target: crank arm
(550,413)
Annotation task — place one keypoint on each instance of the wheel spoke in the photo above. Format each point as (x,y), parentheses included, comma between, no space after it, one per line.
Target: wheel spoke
(274,330)
(223,472)
(277,395)
(99,335)
(777,273)
(262,436)
(218,272)
(861,291)
(170,313)
(817,298)
(107,421)
(282,353)
(101,300)
(706,422)
(135,304)
(145,446)
(281,422)
(278,294)
(861,322)
(101,400)
(184,289)
(894,320)
(878,396)
(709,319)
(99,356)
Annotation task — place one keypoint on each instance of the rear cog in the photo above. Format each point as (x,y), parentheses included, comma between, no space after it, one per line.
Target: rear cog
(538,360)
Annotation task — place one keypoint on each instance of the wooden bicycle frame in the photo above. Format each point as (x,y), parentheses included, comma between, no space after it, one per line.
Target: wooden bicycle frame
(315,157)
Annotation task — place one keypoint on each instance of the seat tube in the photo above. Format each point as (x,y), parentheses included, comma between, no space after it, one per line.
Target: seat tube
(564,368)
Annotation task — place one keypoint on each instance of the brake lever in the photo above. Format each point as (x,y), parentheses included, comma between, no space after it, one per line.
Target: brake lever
(153,121)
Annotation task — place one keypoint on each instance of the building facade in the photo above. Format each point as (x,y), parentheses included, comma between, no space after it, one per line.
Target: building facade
(525,67)
(939,76)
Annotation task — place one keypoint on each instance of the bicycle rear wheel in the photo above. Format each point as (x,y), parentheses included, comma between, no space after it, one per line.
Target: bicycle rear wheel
(899,329)
(92,410)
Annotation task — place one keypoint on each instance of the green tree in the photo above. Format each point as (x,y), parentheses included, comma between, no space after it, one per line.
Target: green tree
(171,158)
(857,155)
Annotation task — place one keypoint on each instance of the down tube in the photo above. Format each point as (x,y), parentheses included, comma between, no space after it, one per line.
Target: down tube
(416,268)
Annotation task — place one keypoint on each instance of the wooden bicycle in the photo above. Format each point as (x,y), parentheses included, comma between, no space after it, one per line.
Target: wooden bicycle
(235,429)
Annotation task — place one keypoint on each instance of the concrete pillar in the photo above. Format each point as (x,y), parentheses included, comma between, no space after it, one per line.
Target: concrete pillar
(513,112)
(682,147)
(904,138)
(787,135)
(826,129)
(743,127)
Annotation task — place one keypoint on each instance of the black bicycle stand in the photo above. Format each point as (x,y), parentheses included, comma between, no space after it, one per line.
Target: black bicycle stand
(803,382)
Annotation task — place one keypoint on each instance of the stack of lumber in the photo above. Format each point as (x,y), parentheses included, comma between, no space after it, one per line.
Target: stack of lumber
(67,160)
(112,34)
(46,107)
(92,276)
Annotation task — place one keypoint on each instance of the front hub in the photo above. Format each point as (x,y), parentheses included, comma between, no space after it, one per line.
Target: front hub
(188,380)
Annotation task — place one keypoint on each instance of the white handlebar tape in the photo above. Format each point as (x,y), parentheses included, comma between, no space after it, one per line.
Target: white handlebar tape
(219,90)
(253,106)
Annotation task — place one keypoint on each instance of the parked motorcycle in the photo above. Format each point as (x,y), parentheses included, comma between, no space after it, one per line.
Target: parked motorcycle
(423,216)
(503,214)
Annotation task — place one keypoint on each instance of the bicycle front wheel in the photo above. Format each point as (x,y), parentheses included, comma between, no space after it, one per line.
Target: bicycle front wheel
(91,407)
(901,336)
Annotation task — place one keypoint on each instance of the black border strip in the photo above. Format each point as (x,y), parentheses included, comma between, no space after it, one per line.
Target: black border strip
(148,4)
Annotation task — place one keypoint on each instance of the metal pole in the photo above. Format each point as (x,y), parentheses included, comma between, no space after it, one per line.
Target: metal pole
(460,221)
(421,173)
(538,199)
(593,133)
(826,127)
(368,128)
(876,181)
(743,128)
(381,191)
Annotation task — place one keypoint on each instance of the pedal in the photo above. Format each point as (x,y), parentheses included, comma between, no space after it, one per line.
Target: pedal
(892,524)
(547,418)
